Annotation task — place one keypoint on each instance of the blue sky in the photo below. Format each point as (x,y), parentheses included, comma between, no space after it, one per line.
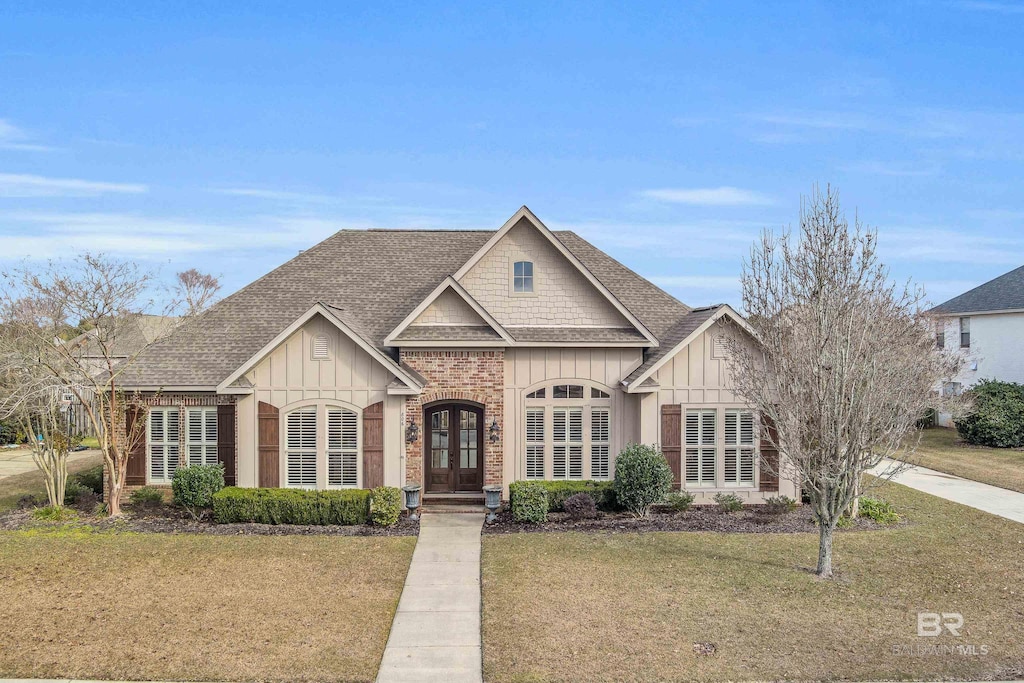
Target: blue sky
(669,135)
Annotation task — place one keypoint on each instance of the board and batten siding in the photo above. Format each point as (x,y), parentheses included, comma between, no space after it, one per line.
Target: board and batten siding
(290,374)
(526,368)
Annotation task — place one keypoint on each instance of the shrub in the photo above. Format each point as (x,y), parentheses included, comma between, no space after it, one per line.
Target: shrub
(385,505)
(642,478)
(86,500)
(291,506)
(51,514)
(877,510)
(72,490)
(580,506)
(603,492)
(91,479)
(679,501)
(147,496)
(997,417)
(779,505)
(29,500)
(728,502)
(530,503)
(195,485)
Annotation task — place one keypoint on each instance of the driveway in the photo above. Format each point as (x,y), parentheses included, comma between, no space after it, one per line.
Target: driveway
(19,460)
(991,499)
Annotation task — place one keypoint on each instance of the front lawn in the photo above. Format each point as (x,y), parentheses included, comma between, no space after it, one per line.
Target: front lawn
(126,606)
(942,450)
(15,486)
(645,607)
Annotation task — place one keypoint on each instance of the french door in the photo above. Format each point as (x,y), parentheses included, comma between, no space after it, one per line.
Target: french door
(454,447)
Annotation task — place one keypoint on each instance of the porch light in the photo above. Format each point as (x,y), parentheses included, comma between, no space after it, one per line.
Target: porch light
(492,501)
(412,431)
(494,431)
(412,499)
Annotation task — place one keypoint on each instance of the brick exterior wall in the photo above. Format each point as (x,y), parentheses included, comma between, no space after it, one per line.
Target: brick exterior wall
(182,401)
(476,376)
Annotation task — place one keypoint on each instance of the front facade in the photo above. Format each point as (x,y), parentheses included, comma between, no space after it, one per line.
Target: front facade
(455,360)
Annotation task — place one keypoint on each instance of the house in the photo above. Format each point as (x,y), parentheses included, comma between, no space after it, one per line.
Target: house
(454,359)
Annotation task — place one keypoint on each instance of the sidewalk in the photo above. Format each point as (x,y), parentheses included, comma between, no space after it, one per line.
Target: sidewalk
(18,461)
(991,499)
(436,632)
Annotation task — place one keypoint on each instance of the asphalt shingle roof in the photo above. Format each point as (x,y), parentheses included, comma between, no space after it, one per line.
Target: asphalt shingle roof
(1005,292)
(683,328)
(373,278)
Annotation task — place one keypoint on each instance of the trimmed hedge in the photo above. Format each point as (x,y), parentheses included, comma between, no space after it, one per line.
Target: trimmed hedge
(997,417)
(530,504)
(603,492)
(291,506)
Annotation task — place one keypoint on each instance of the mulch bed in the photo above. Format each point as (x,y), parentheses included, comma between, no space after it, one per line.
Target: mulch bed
(166,519)
(751,520)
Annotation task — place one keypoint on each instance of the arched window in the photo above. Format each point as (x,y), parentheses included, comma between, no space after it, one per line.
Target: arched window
(568,432)
(522,277)
(327,458)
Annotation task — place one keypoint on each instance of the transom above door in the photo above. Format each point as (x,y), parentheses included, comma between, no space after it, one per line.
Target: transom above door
(454,444)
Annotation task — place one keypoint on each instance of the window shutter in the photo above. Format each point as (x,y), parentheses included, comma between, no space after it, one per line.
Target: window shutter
(342,448)
(671,433)
(300,445)
(769,455)
(135,442)
(373,445)
(269,445)
(535,443)
(225,438)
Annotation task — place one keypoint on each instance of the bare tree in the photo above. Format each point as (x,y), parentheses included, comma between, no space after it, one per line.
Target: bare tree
(846,364)
(196,290)
(107,297)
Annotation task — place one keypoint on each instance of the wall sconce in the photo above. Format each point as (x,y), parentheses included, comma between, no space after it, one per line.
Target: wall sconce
(412,431)
(494,431)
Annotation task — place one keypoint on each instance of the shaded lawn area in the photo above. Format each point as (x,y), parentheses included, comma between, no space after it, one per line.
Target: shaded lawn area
(125,606)
(941,450)
(630,607)
(17,485)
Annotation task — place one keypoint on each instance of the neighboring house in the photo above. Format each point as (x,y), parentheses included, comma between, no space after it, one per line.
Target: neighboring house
(987,325)
(455,359)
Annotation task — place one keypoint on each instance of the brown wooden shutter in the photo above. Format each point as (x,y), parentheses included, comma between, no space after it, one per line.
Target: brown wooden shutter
(671,441)
(136,472)
(769,455)
(373,445)
(269,445)
(226,442)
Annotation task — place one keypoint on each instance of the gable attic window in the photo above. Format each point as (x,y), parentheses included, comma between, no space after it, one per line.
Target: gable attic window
(320,347)
(522,277)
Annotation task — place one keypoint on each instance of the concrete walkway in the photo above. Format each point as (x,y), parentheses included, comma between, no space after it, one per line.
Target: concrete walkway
(19,460)
(991,499)
(436,632)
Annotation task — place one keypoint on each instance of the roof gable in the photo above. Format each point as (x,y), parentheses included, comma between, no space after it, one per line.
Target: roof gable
(450,291)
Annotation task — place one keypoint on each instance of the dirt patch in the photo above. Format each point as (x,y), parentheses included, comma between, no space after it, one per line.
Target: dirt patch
(170,520)
(750,520)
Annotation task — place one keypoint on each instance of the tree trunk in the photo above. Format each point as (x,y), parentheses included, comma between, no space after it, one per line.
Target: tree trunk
(825,533)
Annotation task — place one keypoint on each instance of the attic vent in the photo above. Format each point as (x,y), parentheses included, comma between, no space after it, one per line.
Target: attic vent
(320,345)
(719,347)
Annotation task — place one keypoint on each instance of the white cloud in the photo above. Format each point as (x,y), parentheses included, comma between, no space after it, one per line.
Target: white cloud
(274,195)
(891,168)
(709,196)
(948,245)
(14,138)
(711,282)
(24,185)
(823,120)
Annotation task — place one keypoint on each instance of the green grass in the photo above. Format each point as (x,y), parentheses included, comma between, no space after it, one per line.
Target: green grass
(91,442)
(120,606)
(15,486)
(941,450)
(630,607)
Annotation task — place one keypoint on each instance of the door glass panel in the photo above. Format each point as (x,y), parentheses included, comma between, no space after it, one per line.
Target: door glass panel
(468,437)
(439,440)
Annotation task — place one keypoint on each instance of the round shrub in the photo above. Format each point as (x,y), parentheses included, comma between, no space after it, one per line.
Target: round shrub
(530,503)
(679,501)
(728,502)
(642,478)
(385,505)
(580,506)
(779,505)
(997,417)
(147,496)
(194,486)
(877,510)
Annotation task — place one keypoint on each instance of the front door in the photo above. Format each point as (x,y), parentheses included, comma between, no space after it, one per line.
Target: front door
(454,447)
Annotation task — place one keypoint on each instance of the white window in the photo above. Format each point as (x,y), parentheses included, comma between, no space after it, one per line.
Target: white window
(342,448)
(599,442)
(300,448)
(701,447)
(522,277)
(320,347)
(162,441)
(739,448)
(965,333)
(535,443)
(567,435)
(201,436)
